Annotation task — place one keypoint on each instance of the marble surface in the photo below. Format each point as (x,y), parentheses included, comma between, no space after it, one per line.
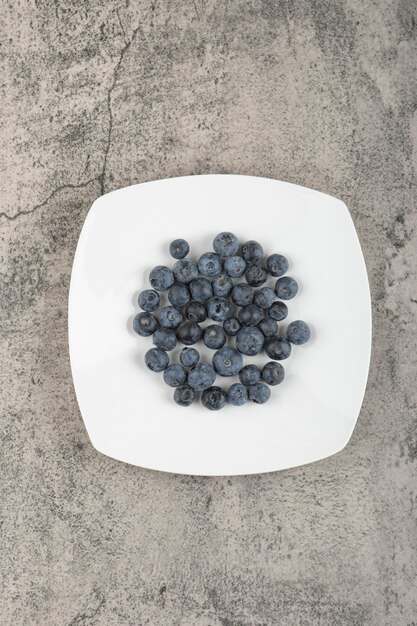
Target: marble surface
(98,95)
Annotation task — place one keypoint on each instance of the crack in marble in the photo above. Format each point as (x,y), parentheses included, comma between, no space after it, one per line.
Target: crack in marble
(81,617)
(116,70)
(121,25)
(11,218)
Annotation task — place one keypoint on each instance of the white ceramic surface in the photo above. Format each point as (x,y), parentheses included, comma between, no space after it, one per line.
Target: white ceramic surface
(129,412)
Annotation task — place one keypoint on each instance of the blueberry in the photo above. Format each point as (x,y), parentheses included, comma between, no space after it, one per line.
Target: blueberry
(175,375)
(231,326)
(213,398)
(201,376)
(278,348)
(277,264)
(179,295)
(185,270)
(249,375)
(273,373)
(227,361)
(259,393)
(170,317)
(268,326)
(298,332)
(210,264)
(219,309)
(243,294)
(235,266)
(214,337)
(164,339)
(184,395)
(189,333)
(256,275)
(144,324)
(250,340)
(179,248)
(249,315)
(265,297)
(161,278)
(156,359)
(201,289)
(189,357)
(222,285)
(148,300)
(226,244)
(195,311)
(252,252)
(237,394)
(278,311)
(286,288)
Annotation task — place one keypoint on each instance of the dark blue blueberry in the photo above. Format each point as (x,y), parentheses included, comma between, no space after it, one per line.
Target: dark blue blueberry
(237,394)
(144,324)
(243,294)
(161,278)
(179,295)
(184,395)
(219,309)
(214,337)
(179,248)
(268,326)
(201,289)
(201,376)
(278,311)
(185,270)
(213,398)
(252,252)
(170,317)
(195,312)
(278,348)
(250,340)
(259,393)
(164,339)
(249,315)
(148,300)
(227,361)
(226,244)
(189,357)
(222,285)
(249,375)
(273,373)
(256,275)
(209,264)
(231,326)
(298,332)
(235,266)
(175,375)
(265,297)
(277,264)
(189,333)
(286,288)
(156,359)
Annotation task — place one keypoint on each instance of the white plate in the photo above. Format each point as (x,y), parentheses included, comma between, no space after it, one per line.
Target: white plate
(129,412)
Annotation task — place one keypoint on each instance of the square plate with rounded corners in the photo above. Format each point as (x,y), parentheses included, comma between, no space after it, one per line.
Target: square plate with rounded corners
(129,412)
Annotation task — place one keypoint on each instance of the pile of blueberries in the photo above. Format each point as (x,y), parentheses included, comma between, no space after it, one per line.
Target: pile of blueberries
(246,311)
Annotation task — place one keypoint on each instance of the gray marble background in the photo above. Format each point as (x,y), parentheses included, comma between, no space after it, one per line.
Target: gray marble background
(98,95)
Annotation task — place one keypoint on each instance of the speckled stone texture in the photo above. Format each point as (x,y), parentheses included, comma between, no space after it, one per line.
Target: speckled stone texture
(98,95)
